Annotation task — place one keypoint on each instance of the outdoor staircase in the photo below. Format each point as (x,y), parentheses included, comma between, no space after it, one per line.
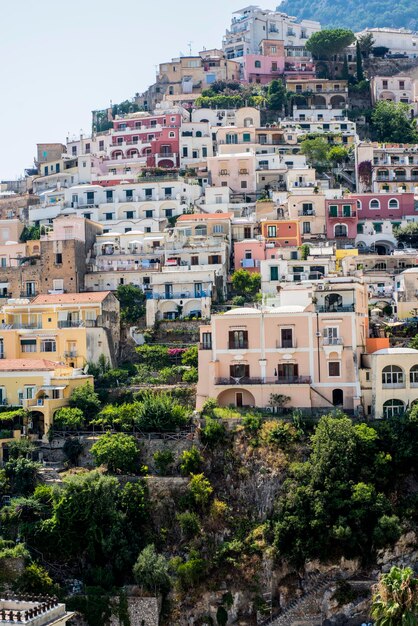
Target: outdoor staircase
(306,608)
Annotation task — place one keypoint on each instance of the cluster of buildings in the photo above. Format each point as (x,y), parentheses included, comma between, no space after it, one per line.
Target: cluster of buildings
(174,198)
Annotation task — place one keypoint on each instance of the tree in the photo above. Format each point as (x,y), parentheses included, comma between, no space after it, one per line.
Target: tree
(158,412)
(365,43)
(327,43)
(190,461)
(151,571)
(408,235)
(315,150)
(21,448)
(246,284)
(132,301)
(395,599)
(70,418)
(85,399)
(200,490)
(154,357)
(22,475)
(276,95)
(338,154)
(345,71)
(35,579)
(30,233)
(190,356)
(359,63)
(119,452)
(73,449)
(392,123)
(414,344)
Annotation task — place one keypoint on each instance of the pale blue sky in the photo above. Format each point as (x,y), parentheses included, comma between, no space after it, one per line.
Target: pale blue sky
(60,60)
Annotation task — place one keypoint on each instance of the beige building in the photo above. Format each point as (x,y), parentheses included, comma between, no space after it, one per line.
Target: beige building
(389,380)
(305,345)
(406,293)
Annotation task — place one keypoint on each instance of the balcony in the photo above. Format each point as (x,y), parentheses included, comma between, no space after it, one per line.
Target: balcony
(70,354)
(333,341)
(286,344)
(306,213)
(245,380)
(177,295)
(335,309)
(70,324)
(144,178)
(19,326)
(238,346)
(205,346)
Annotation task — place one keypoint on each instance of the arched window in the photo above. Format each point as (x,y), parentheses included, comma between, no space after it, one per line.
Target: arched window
(393,407)
(340,230)
(374,204)
(413,375)
(337,397)
(393,375)
(359,207)
(333,302)
(198,133)
(200,231)
(257,64)
(248,122)
(393,203)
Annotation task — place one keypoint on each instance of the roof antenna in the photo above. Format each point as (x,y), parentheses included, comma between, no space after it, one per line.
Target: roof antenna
(190,48)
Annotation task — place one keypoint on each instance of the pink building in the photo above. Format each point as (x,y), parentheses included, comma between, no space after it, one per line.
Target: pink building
(341,217)
(248,254)
(384,205)
(155,138)
(305,348)
(264,67)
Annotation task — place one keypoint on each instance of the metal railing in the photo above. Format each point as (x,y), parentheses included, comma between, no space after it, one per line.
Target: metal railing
(250,380)
(177,295)
(335,309)
(333,341)
(70,323)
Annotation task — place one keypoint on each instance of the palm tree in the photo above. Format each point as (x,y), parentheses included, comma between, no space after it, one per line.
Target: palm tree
(395,599)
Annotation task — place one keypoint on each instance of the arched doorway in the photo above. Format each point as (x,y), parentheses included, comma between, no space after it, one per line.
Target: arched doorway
(337,397)
(36,423)
(333,302)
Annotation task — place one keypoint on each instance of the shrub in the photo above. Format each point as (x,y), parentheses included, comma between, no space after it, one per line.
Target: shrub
(191,571)
(252,422)
(278,433)
(21,448)
(151,571)
(189,524)
(238,300)
(190,461)
(118,452)
(35,579)
(191,375)
(22,475)
(208,407)
(159,412)
(190,356)
(70,418)
(212,433)
(163,459)
(200,490)
(154,357)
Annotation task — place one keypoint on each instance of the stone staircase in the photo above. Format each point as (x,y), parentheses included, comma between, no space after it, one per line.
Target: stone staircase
(307,608)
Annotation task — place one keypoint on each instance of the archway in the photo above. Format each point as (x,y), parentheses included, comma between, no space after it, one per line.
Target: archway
(337,102)
(36,423)
(236,396)
(333,302)
(393,407)
(318,101)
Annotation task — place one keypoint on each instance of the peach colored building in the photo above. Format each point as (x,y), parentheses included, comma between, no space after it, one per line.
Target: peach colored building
(249,253)
(236,171)
(306,347)
(283,233)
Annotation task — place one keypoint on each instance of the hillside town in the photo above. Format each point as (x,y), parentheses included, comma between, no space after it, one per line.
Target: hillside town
(228,258)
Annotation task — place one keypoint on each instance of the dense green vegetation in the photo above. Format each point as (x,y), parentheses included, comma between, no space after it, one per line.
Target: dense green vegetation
(355,14)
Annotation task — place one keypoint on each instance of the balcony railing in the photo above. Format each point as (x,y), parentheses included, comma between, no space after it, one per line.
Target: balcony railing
(70,323)
(205,346)
(245,380)
(333,341)
(306,213)
(26,326)
(70,354)
(177,295)
(335,309)
(285,343)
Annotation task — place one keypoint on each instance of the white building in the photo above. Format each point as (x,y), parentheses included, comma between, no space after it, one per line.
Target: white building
(397,40)
(251,25)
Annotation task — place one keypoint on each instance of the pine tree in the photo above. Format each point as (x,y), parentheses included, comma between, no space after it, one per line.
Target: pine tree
(359,61)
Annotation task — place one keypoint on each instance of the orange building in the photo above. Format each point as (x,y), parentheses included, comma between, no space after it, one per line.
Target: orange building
(283,233)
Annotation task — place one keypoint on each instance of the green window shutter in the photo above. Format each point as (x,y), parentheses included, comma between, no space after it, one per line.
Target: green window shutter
(346,210)
(333,210)
(274,272)
(247,137)
(377,227)
(360,228)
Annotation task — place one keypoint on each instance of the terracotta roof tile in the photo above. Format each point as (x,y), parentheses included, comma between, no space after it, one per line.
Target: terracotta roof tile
(71,298)
(19,365)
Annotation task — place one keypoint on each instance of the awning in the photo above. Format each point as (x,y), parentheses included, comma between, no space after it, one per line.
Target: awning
(395,323)
(49,387)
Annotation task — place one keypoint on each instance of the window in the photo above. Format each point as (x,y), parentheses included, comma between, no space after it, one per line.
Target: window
(274,272)
(246,137)
(257,64)
(108,216)
(240,370)
(393,203)
(374,204)
(3,261)
(185,152)
(28,345)
(206,341)
(306,228)
(333,210)
(307,208)
(204,152)
(29,392)
(58,258)
(334,368)
(286,337)
(109,195)
(244,184)
(101,145)
(393,375)
(377,227)
(148,193)
(347,210)
(340,230)
(288,372)
(48,345)
(238,339)
(148,213)
(129,215)
(194,260)
(393,407)
(413,375)
(218,228)
(271,231)
(58,284)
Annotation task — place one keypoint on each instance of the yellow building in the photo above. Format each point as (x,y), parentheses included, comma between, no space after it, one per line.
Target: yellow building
(71,328)
(389,381)
(41,387)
